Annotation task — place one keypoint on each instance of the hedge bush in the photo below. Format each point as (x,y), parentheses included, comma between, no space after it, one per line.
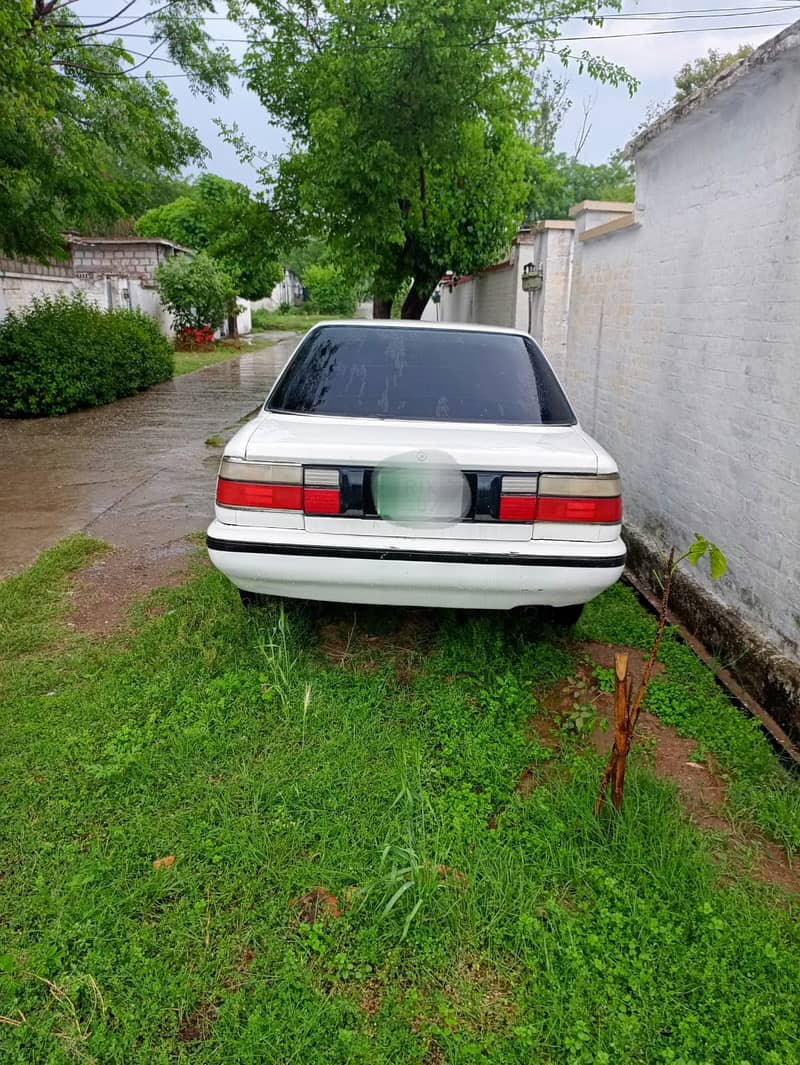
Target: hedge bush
(63,353)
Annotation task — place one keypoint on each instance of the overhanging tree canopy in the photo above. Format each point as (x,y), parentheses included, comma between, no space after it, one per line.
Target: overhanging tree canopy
(84,133)
(407,124)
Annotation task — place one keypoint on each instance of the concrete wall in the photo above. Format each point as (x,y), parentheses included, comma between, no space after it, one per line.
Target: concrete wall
(682,351)
(22,281)
(289,290)
(496,296)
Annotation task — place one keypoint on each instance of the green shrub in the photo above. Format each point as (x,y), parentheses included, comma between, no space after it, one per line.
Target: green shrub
(329,291)
(63,353)
(196,290)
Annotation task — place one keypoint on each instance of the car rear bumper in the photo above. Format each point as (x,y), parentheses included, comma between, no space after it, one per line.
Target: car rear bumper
(414,572)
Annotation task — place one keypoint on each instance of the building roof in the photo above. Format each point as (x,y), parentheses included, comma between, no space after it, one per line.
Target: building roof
(73,238)
(786,41)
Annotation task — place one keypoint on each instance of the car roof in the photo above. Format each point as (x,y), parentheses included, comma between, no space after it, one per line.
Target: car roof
(398,323)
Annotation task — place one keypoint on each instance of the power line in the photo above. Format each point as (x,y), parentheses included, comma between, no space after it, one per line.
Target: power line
(754,8)
(544,39)
(660,33)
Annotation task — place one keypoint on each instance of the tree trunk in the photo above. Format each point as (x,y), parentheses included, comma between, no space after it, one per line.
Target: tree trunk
(233,328)
(417,299)
(381,308)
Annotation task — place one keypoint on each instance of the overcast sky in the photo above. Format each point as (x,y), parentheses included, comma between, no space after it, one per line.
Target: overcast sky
(653,56)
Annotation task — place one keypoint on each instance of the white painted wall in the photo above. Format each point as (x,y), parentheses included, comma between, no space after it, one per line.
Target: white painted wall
(682,353)
(496,296)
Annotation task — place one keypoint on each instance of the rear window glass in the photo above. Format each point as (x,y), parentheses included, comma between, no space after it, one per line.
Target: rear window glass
(427,374)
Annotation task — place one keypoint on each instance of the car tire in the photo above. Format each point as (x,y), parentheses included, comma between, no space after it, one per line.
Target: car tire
(565,616)
(253,599)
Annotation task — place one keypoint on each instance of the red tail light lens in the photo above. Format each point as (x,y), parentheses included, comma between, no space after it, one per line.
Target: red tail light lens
(517,508)
(593,511)
(264,496)
(321,501)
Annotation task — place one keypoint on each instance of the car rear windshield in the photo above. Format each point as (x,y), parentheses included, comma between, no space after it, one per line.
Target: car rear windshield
(427,374)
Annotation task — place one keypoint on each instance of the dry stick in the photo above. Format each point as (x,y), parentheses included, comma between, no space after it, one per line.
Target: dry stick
(621,704)
(627,712)
(622,738)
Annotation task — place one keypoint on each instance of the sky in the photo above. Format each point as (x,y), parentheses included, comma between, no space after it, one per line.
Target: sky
(667,33)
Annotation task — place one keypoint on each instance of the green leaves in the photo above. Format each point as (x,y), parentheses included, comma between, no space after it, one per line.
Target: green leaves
(221,217)
(693,76)
(197,291)
(701,547)
(81,143)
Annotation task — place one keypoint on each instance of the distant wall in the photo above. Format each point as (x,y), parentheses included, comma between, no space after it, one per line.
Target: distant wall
(21,281)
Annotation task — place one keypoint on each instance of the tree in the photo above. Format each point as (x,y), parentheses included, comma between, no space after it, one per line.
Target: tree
(692,76)
(557,183)
(406,121)
(550,107)
(329,291)
(196,291)
(84,138)
(221,217)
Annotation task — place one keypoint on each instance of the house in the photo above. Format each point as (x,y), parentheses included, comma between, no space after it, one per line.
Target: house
(113,272)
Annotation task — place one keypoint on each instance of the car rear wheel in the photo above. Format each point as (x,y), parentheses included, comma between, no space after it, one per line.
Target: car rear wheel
(253,599)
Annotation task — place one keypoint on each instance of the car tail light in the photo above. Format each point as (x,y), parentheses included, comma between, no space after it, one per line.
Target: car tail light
(588,500)
(321,493)
(264,485)
(518,499)
(556,497)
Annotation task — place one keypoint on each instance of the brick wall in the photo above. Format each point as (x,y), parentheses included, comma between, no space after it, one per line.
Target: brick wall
(118,259)
(682,352)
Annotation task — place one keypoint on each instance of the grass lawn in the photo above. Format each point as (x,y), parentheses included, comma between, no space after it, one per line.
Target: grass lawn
(188,361)
(298,323)
(362,769)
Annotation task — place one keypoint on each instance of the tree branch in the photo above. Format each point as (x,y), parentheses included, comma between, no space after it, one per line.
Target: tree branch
(93,31)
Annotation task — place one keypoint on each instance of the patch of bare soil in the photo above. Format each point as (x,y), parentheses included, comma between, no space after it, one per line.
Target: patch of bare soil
(198,1025)
(482,996)
(241,971)
(316,905)
(371,997)
(700,786)
(349,643)
(102,593)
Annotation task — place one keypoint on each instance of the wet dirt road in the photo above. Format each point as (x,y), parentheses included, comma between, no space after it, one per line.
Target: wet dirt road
(138,472)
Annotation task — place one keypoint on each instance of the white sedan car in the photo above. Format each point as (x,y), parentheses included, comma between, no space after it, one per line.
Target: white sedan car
(411,464)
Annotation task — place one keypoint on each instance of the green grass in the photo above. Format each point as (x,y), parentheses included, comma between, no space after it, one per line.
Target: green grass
(226,739)
(189,361)
(295,322)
